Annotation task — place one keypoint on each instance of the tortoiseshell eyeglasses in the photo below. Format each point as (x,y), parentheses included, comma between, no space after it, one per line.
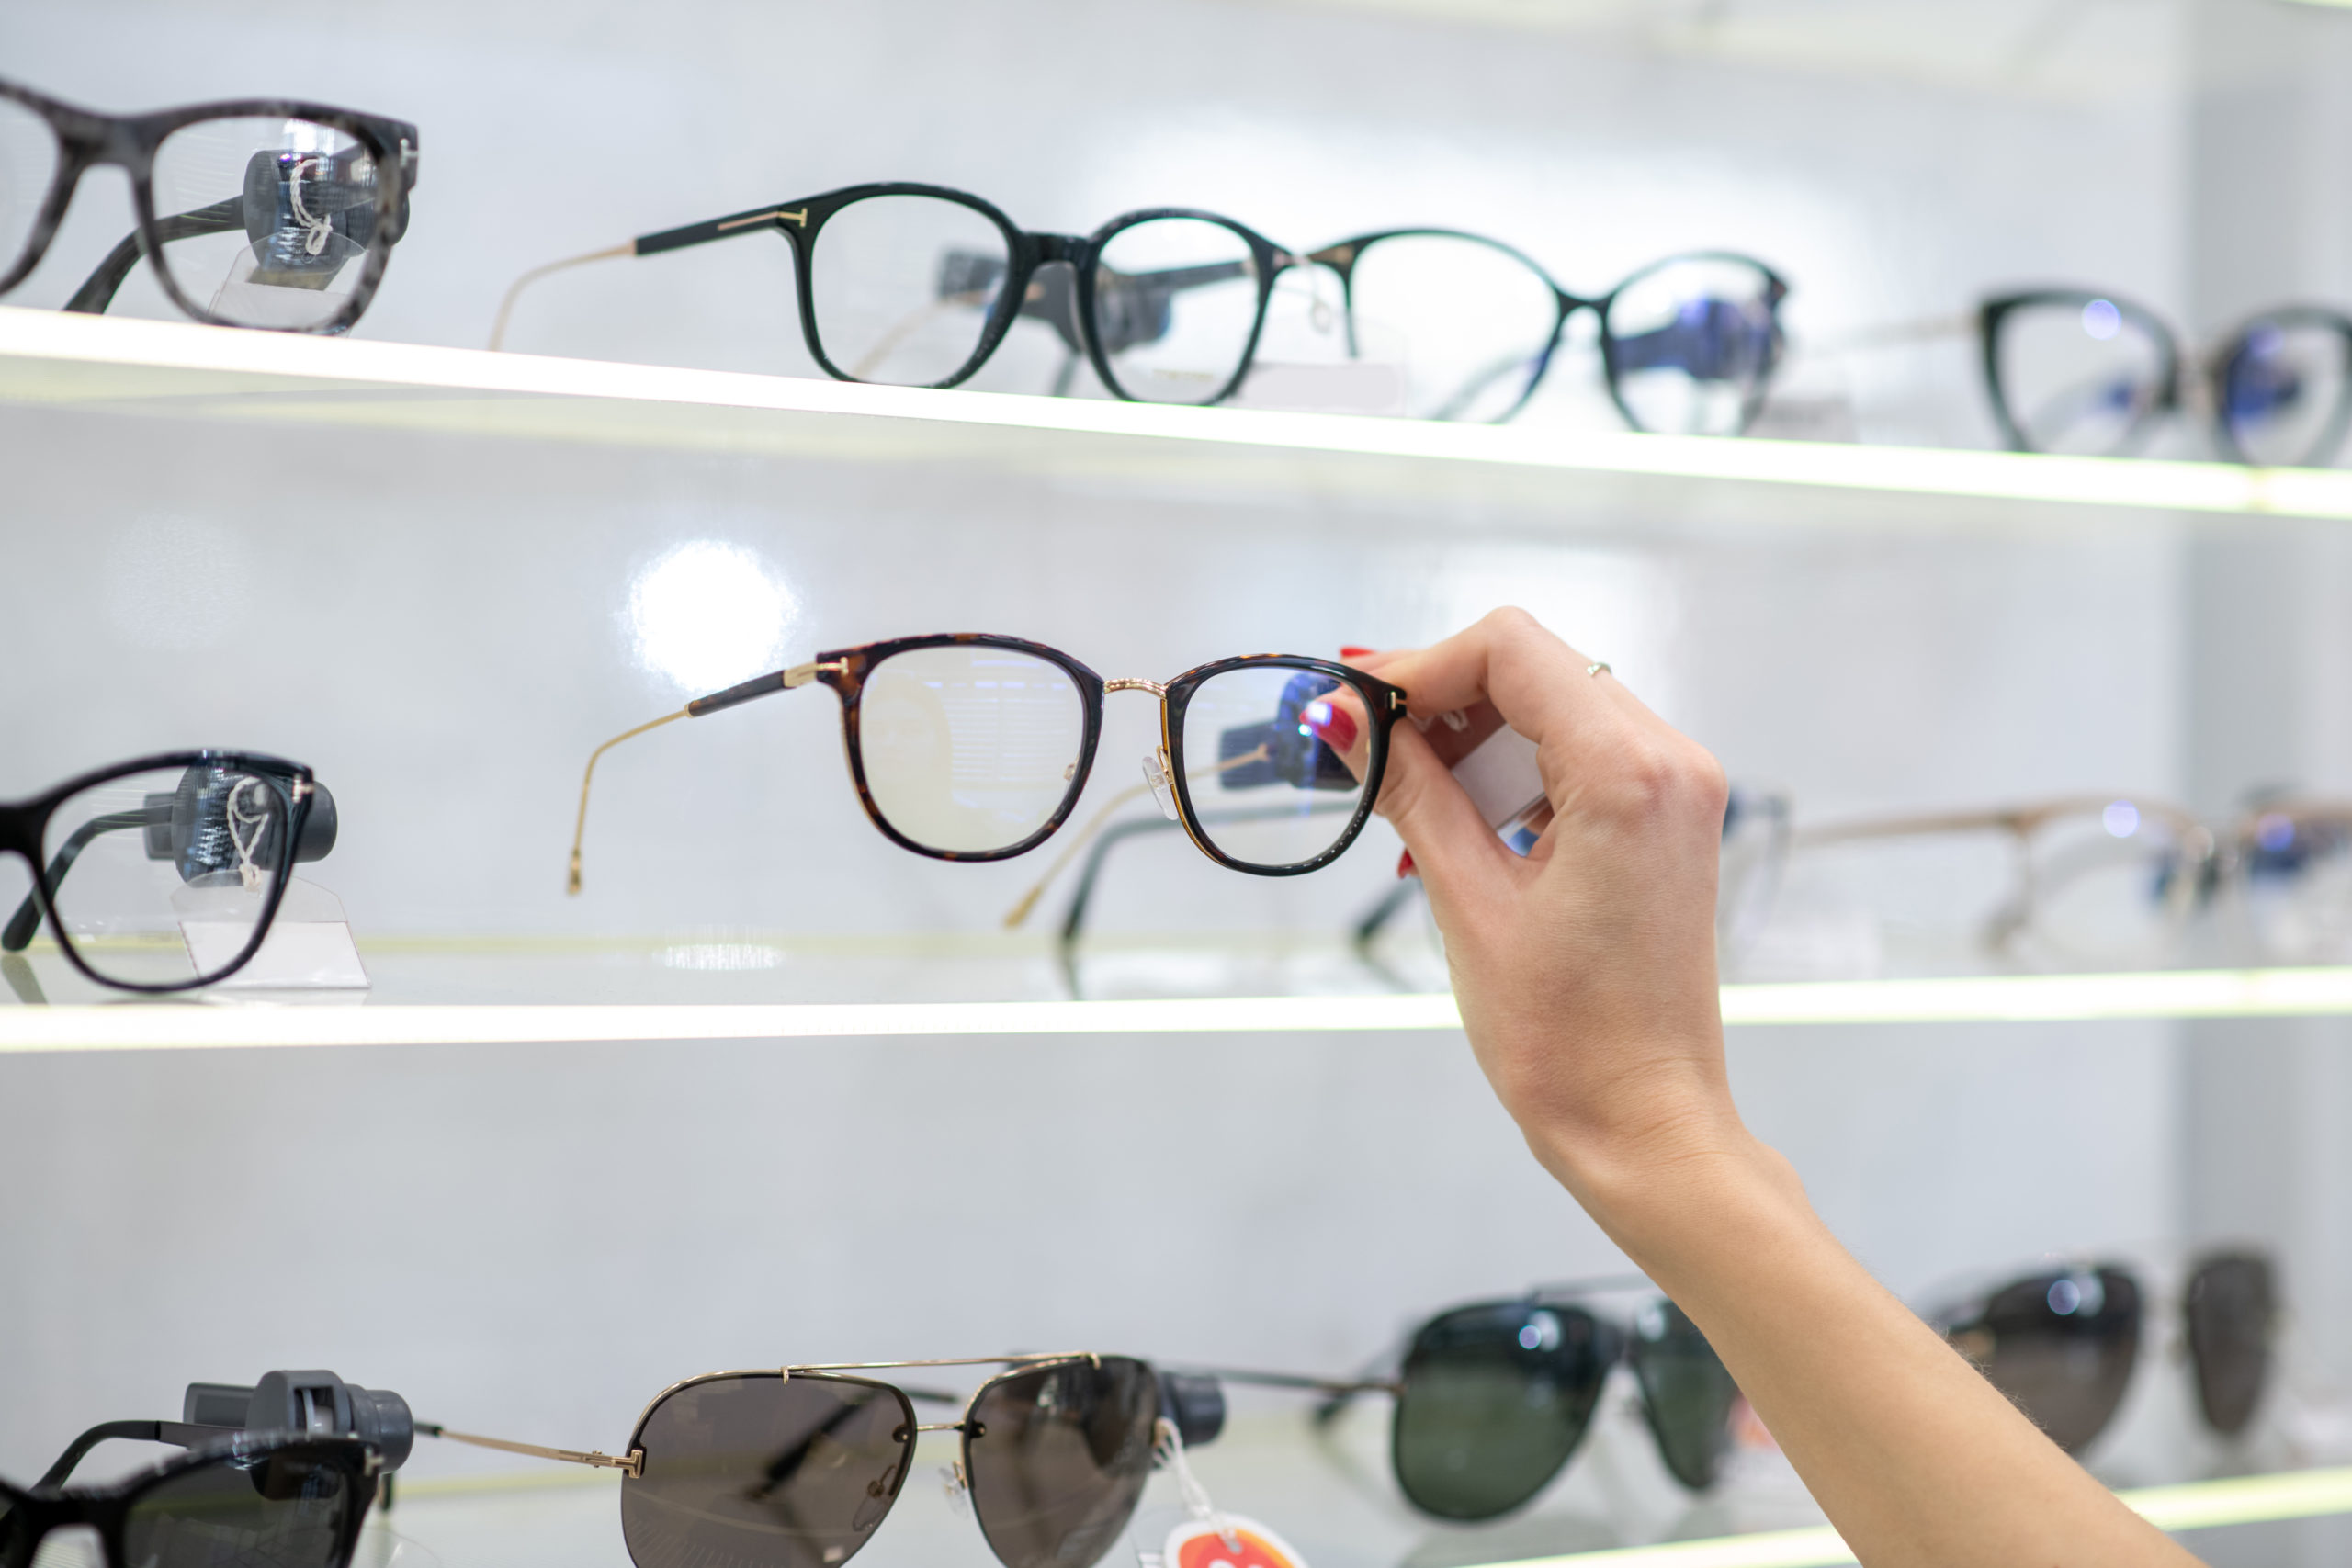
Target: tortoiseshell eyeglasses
(968,747)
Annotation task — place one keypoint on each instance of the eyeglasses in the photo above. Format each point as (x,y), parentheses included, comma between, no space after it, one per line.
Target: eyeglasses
(970,746)
(1493,1399)
(280,1498)
(796,1468)
(2084,881)
(917,286)
(2062,1342)
(164,874)
(1687,345)
(2072,370)
(256,213)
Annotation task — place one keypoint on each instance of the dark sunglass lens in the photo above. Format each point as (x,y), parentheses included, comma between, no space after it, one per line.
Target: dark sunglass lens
(764,1471)
(1057,1457)
(1494,1399)
(2230,1306)
(292,1507)
(1686,1392)
(2062,1345)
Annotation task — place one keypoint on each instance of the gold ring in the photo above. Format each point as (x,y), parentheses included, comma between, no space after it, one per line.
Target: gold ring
(1597,667)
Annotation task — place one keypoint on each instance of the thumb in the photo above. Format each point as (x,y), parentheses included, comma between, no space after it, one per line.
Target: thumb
(1457,855)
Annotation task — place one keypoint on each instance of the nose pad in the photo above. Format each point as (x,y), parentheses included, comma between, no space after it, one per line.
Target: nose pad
(1155,777)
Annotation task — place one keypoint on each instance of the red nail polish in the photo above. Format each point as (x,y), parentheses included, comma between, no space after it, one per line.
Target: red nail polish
(1351,651)
(1328,724)
(1405,865)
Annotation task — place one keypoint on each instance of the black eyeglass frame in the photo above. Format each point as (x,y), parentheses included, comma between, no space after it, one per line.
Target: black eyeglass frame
(1343,256)
(24,826)
(49,1507)
(88,140)
(802,222)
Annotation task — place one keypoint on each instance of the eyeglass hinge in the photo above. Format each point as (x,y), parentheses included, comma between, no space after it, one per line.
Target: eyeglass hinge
(631,1464)
(1395,701)
(802,674)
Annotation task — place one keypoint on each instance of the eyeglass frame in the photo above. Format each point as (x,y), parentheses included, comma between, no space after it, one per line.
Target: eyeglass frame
(88,140)
(802,220)
(24,823)
(844,669)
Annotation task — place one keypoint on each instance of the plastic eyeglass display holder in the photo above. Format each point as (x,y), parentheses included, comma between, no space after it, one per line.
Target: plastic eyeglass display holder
(308,947)
(1496,766)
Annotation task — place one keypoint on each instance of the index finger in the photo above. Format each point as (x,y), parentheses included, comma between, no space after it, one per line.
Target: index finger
(1541,685)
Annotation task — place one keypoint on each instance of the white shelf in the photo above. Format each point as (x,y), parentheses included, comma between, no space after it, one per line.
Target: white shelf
(218,1023)
(181,370)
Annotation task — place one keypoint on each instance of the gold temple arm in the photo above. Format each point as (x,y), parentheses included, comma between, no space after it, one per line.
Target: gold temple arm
(1094,824)
(631,1464)
(506,306)
(579,828)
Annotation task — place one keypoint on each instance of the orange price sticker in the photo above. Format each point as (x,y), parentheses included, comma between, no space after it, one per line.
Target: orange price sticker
(1197,1544)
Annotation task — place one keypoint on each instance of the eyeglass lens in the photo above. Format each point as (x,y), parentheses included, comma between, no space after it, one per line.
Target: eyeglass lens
(1176,308)
(1687,1391)
(1057,1457)
(1469,323)
(2108,885)
(2063,1345)
(2285,388)
(777,1472)
(2297,870)
(1254,738)
(2230,1306)
(162,877)
(903,288)
(969,748)
(265,222)
(1693,341)
(1494,1401)
(29,157)
(2080,374)
(290,1508)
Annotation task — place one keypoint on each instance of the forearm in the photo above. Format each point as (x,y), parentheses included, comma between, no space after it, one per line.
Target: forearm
(1915,1457)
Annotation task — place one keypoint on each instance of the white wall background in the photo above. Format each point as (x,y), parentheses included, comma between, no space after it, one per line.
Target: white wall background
(443,627)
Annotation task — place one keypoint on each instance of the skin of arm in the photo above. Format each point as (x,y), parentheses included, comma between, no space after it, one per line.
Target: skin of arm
(1586,976)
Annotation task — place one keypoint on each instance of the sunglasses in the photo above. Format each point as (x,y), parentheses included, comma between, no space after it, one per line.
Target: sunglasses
(1494,1398)
(256,213)
(968,747)
(796,1468)
(2062,1342)
(164,873)
(283,1498)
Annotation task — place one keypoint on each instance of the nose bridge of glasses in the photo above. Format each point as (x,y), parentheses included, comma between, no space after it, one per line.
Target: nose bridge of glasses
(1130,684)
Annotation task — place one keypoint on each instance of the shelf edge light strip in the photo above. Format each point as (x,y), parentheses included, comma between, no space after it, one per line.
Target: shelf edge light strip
(2200,1505)
(2258,993)
(2134,483)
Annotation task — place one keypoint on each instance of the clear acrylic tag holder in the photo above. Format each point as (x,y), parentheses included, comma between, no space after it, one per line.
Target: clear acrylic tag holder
(308,947)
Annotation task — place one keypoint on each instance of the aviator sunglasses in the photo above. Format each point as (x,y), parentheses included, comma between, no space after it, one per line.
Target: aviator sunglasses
(795,1467)
(970,747)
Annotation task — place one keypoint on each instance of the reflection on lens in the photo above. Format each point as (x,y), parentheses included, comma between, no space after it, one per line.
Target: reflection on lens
(2231,1307)
(1692,343)
(2111,885)
(2062,1345)
(163,877)
(784,1472)
(1267,790)
(1175,309)
(2285,389)
(2296,865)
(2081,373)
(1686,1392)
(290,1508)
(903,288)
(1057,1457)
(968,747)
(1470,322)
(267,222)
(28,168)
(1494,1400)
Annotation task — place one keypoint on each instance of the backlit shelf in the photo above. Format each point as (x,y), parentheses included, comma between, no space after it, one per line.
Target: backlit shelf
(226,1024)
(175,369)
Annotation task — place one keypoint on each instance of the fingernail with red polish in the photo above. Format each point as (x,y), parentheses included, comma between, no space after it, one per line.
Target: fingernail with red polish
(1405,865)
(1351,651)
(1330,724)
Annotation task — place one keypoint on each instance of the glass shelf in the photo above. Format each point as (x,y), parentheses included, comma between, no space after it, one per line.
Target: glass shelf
(511,993)
(164,369)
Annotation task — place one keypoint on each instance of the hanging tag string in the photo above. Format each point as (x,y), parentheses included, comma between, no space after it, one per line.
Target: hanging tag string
(249,870)
(1168,1448)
